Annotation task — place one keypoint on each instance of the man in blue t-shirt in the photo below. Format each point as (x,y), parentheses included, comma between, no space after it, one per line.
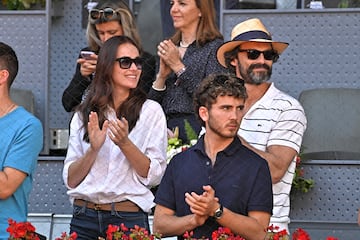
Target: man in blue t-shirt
(21,140)
(218,181)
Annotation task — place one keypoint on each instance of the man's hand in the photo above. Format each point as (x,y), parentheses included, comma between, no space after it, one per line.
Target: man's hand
(204,205)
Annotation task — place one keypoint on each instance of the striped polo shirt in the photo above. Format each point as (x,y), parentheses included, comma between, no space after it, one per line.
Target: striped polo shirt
(276,119)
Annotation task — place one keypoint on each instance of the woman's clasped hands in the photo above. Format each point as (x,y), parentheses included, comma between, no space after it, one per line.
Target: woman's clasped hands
(170,58)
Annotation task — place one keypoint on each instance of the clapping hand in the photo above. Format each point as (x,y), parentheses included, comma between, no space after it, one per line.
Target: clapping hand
(119,131)
(96,135)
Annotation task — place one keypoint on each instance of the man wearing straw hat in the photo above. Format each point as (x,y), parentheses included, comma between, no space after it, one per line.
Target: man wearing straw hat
(274,123)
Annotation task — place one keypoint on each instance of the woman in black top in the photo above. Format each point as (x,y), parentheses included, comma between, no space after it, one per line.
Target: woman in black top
(106,20)
(185,59)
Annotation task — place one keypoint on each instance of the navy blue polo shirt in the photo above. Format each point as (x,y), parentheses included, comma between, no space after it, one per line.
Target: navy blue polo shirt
(240,177)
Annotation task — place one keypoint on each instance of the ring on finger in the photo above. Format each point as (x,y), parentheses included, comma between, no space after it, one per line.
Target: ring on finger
(163,51)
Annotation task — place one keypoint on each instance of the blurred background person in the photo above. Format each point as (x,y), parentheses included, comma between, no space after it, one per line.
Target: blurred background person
(106,19)
(117,146)
(21,140)
(185,59)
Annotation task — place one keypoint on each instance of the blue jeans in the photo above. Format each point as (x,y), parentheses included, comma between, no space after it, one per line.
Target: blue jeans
(91,224)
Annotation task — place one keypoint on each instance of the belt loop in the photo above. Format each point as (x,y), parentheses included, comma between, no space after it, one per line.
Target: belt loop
(113,209)
(84,207)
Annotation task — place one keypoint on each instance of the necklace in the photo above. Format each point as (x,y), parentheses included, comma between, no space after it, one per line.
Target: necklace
(182,45)
(8,109)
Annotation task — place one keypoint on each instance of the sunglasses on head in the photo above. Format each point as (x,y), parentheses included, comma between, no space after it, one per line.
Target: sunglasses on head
(254,54)
(221,79)
(105,14)
(126,62)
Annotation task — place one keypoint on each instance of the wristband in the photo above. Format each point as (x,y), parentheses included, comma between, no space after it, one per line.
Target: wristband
(181,71)
(158,89)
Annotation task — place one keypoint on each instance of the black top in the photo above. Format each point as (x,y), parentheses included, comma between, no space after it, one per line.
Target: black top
(74,92)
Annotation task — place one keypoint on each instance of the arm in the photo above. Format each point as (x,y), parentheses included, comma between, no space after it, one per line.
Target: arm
(249,227)
(22,155)
(81,167)
(10,180)
(119,135)
(283,142)
(168,224)
(278,158)
(72,95)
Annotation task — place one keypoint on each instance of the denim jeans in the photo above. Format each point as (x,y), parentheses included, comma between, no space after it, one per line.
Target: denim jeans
(90,224)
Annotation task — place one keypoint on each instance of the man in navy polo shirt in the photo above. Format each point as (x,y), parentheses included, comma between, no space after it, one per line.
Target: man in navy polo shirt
(218,181)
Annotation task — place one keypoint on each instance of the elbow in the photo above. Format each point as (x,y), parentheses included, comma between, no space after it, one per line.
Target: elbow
(276,179)
(5,194)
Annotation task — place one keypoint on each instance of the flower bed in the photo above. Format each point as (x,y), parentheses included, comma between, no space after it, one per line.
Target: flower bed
(25,230)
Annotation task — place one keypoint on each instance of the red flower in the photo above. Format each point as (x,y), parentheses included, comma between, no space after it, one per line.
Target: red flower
(300,234)
(64,236)
(21,230)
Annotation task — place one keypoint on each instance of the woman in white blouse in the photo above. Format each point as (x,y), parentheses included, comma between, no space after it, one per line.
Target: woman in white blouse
(117,146)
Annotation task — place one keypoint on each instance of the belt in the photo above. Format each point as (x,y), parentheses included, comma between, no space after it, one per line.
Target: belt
(125,206)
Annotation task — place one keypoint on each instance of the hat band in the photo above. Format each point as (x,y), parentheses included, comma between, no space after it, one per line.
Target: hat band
(247,36)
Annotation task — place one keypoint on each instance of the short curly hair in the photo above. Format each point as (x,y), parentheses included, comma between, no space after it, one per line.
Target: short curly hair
(216,85)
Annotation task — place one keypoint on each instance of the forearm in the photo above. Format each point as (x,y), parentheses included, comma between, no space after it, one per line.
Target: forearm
(138,160)
(159,83)
(278,158)
(10,180)
(72,95)
(79,169)
(247,227)
(171,225)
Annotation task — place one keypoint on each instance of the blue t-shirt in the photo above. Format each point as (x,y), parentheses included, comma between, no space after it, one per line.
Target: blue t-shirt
(241,180)
(21,140)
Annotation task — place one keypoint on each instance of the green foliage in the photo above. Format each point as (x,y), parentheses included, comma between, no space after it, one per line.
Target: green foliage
(300,183)
(190,133)
(22,4)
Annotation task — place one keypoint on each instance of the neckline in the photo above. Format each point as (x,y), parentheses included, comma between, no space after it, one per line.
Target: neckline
(9,109)
(182,45)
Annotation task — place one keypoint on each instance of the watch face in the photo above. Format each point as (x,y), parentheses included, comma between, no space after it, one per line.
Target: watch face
(219,212)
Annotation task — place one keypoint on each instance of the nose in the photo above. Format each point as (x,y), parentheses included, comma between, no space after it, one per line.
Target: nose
(174,7)
(261,58)
(107,36)
(133,66)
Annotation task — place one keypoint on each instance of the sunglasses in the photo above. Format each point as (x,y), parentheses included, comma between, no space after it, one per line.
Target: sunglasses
(105,14)
(126,62)
(254,54)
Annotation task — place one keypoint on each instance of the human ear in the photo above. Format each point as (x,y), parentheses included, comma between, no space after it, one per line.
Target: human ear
(203,113)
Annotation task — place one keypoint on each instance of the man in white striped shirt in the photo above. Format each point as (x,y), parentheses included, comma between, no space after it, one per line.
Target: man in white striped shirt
(274,123)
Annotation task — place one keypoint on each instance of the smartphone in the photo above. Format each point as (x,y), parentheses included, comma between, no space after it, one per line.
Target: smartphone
(86,54)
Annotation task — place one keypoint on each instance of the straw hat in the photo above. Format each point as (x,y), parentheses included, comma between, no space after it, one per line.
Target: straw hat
(251,30)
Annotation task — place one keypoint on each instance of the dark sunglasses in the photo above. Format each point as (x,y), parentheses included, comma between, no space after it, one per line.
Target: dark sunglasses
(125,62)
(106,14)
(254,54)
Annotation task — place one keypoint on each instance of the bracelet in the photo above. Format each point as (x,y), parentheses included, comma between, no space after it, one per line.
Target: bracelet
(158,89)
(181,71)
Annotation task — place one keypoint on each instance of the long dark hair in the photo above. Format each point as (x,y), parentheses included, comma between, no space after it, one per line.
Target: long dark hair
(100,93)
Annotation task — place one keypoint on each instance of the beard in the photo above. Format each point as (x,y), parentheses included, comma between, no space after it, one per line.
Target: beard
(220,131)
(251,77)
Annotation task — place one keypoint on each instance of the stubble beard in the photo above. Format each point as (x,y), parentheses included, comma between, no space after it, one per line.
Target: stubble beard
(217,130)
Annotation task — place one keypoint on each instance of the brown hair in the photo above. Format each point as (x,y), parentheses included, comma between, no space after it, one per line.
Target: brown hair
(207,29)
(215,85)
(101,90)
